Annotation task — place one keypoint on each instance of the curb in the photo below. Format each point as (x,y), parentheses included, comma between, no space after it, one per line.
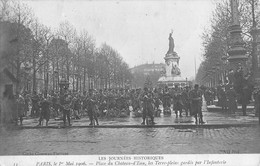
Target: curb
(144,126)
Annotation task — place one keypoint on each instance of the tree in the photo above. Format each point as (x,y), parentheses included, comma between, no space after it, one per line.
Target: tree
(54,54)
(216,40)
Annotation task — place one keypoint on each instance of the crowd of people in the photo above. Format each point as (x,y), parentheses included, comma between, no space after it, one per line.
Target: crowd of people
(109,103)
(226,97)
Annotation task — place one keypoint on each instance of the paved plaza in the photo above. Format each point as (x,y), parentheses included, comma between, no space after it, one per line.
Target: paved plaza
(168,140)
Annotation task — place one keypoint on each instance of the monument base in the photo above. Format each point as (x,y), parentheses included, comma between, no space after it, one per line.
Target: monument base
(172,81)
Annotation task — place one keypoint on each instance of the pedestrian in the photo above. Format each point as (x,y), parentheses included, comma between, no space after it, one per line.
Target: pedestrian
(147,106)
(45,111)
(157,103)
(196,104)
(65,102)
(166,102)
(231,98)
(76,105)
(186,100)
(178,102)
(35,104)
(223,99)
(207,96)
(21,109)
(91,105)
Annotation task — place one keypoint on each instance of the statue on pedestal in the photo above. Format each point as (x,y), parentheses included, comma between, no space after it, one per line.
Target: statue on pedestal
(171,44)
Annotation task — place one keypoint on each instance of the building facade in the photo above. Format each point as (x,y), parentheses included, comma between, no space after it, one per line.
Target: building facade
(142,71)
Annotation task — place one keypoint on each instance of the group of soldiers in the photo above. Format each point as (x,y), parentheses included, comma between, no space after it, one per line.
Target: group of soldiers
(226,97)
(143,103)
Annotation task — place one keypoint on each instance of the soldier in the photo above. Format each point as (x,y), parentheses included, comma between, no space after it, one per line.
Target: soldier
(196,103)
(166,101)
(207,96)
(231,97)
(157,103)
(65,102)
(91,105)
(45,111)
(26,102)
(21,108)
(178,103)
(136,103)
(76,105)
(186,101)
(222,98)
(147,106)
(35,104)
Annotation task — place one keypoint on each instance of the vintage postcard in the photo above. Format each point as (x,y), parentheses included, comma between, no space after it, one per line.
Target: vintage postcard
(120,82)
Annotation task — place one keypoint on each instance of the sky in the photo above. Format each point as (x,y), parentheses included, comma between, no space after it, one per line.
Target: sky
(138,30)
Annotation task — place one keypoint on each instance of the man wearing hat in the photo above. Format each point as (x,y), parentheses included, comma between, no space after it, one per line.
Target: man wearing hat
(92,107)
(65,102)
(196,103)
(45,111)
(147,106)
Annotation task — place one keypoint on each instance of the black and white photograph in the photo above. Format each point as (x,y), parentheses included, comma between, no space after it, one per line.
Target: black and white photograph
(129,77)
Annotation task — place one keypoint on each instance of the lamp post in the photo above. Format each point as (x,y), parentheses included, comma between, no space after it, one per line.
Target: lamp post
(237,56)
(236,51)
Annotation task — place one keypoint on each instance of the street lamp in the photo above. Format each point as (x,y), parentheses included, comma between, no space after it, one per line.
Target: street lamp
(236,51)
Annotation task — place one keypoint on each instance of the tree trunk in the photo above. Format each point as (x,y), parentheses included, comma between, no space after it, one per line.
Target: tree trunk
(84,80)
(68,70)
(109,83)
(18,77)
(80,84)
(58,79)
(77,83)
(34,74)
(53,76)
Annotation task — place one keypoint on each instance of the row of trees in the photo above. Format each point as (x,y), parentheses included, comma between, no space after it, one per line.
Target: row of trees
(216,40)
(41,57)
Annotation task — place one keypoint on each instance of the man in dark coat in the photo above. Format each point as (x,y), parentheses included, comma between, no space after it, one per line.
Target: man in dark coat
(35,104)
(147,106)
(91,105)
(45,111)
(65,102)
(196,103)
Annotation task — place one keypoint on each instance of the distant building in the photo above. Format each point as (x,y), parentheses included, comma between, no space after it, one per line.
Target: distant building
(140,74)
(147,68)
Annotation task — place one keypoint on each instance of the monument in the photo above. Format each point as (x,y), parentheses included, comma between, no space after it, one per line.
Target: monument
(171,74)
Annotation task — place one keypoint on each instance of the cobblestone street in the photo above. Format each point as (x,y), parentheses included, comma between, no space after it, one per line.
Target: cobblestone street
(130,141)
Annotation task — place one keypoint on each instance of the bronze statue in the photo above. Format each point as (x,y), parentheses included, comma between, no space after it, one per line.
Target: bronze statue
(171,44)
